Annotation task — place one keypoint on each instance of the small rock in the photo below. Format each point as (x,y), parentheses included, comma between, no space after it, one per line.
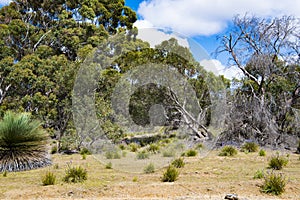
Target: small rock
(231,197)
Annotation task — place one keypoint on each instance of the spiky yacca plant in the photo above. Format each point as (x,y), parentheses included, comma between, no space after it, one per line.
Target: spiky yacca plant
(23,143)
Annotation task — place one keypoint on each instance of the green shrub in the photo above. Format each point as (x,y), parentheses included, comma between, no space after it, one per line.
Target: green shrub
(48,179)
(228,151)
(170,175)
(168,153)
(277,162)
(134,147)
(55,166)
(75,174)
(85,151)
(108,165)
(149,168)
(4,173)
(262,152)
(122,147)
(154,148)
(178,163)
(23,143)
(259,174)
(250,147)
(53,149)
(112,155)
(191,153)
(274,184)
(83,156)
(135,179)
(200,146)
(142,155)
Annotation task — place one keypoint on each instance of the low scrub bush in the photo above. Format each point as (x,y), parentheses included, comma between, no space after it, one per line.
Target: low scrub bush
(274,184)
(250,147)
(262,152)
(108,165)
(134,147)
(4,174)
(112,155)
(153,148)
(48,179)
(171,174)
(228,151)
(168,153)
(277,162)
(191,153)
(259,174)
(149,168)
(75,174)
(83,156)
(53,149)
(178,163)
(142,155)
(85,151)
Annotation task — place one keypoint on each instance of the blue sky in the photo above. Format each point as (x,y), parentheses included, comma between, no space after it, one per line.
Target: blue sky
(203,20)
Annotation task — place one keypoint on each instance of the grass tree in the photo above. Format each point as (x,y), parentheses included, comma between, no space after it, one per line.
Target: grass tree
(23,143)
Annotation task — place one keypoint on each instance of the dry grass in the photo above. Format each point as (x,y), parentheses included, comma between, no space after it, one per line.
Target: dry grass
(210,177)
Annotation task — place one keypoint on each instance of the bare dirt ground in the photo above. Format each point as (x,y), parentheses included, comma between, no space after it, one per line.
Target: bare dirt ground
(211,177)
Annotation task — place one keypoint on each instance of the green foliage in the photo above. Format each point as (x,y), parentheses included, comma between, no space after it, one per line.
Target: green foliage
(154,148)
(22,143)
(142,155)
(135,179)
(262,152)
(85,151)
(108,165)
(274,184)
(133,147)
(49,178)
(75,174)
(250,147)
(83,156)
(277,162)
(228,151)
(259,174)
(53,149)
(112,155)
(169,152)
(171,174)
(122,147)
(191,153)
(178,163)
(4,174)
(149,168)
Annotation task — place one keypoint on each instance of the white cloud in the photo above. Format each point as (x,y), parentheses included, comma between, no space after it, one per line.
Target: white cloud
(217,68)
(4,2)
(155,36)
(207,17)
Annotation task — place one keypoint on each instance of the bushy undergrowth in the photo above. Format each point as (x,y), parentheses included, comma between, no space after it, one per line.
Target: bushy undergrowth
(133,147)
(277,162)
(75,174)
(85,151)
(259,174)
(108,165)
(149,168)
(153,148)
(112,155)
(274,184)
(142,155)
(178,163)
(250,147)
(228,151)
(262,152)
(49,179)
(171,174)
(191,153)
